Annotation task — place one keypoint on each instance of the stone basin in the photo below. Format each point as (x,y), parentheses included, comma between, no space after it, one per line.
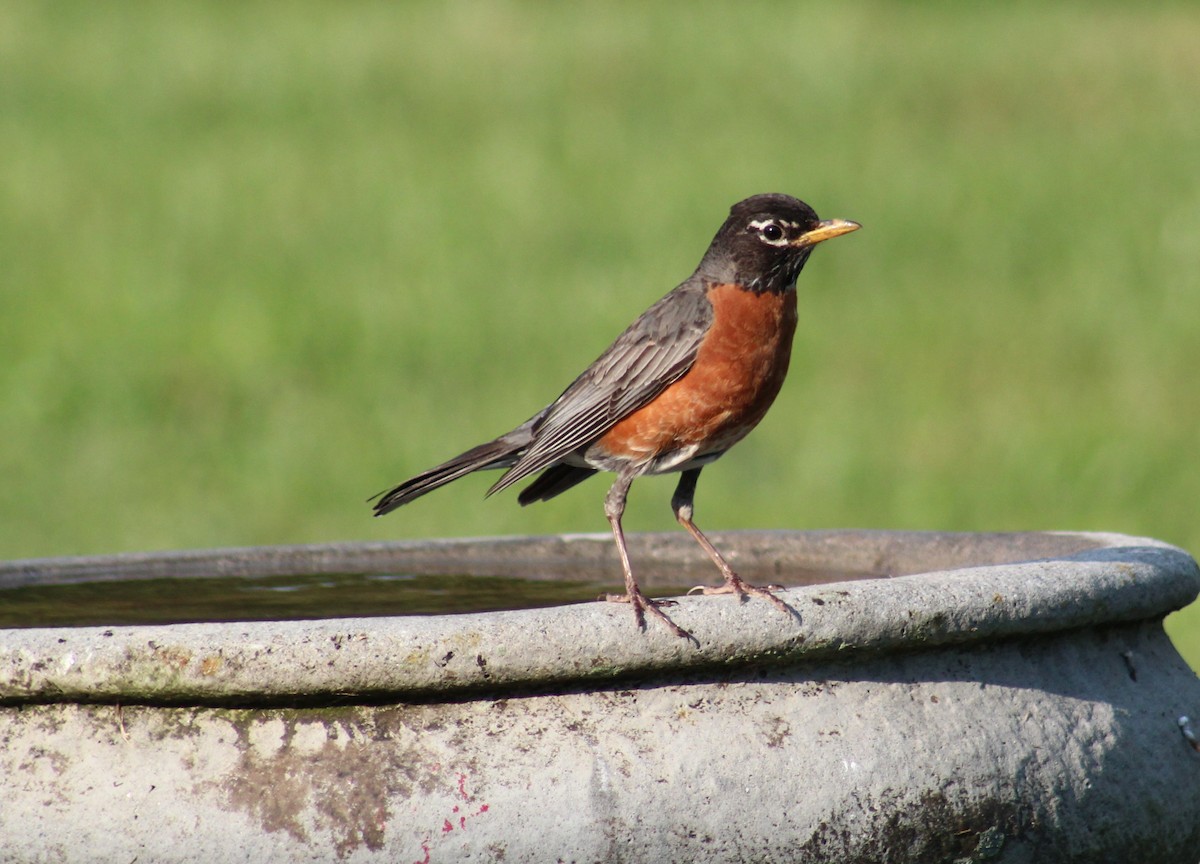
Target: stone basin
(935,698)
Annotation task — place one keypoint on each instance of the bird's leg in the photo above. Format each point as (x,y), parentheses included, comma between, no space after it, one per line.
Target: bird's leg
(614,508)
(681,503)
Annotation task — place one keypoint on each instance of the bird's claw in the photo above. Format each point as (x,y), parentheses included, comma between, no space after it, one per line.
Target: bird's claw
(641,599)
(641,604)
(734,585)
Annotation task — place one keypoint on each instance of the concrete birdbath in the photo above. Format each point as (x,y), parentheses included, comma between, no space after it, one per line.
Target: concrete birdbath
(936,698)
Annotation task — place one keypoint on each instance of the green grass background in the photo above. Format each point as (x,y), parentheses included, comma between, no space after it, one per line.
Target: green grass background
(260,260)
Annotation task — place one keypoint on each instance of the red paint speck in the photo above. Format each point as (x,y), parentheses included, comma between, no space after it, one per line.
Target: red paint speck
(483,808)
(455,810)
(462,823)
(447,827)
(462,787)
(425,849)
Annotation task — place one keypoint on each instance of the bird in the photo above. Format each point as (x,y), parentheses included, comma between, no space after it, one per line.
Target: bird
(691,377)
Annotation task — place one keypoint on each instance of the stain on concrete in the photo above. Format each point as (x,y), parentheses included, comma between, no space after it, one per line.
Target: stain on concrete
(934,830)
(333,775)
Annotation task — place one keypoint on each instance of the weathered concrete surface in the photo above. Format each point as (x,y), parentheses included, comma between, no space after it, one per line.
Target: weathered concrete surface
(593,641)
(1016,713)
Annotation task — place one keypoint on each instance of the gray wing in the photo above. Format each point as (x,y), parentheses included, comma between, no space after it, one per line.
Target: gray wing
(654,351)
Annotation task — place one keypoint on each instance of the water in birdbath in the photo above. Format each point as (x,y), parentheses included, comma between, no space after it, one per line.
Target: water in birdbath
(174,601)
(371,580)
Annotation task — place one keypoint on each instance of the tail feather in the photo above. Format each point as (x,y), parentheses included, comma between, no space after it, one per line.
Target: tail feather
(553,481)
(501,453)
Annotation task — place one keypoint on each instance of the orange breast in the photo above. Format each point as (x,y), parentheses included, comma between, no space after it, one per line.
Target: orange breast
(736,376)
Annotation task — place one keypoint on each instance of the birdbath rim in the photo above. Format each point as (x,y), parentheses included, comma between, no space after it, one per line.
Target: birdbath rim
(924,590)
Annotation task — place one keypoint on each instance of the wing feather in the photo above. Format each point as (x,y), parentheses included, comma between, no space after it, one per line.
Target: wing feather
(654,351)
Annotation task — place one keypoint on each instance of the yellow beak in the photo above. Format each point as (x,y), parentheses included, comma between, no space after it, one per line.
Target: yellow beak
(824,231)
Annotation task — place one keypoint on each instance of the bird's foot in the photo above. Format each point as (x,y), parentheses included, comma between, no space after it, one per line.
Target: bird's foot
(734,585)
(642,604)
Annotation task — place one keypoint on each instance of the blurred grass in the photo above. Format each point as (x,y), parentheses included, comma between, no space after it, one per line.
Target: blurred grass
(261,260)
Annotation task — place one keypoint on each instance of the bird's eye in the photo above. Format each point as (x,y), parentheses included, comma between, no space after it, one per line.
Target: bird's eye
(771,232)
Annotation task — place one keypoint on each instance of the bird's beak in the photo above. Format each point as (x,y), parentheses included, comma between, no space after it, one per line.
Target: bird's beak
(824,231)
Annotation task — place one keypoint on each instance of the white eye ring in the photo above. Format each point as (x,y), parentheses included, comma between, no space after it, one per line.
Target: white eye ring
(770,232)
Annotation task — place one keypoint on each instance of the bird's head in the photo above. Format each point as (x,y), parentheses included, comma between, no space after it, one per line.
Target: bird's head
(766,240)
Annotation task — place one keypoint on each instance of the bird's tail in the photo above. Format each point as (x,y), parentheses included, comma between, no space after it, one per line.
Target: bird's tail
(553,481)
(500,453)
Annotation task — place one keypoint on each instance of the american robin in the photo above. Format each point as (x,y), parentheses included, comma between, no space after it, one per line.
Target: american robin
(684,383)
